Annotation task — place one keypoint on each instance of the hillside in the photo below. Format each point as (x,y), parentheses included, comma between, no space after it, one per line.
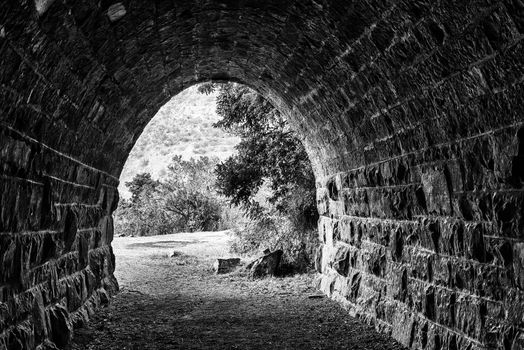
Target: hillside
(183,126)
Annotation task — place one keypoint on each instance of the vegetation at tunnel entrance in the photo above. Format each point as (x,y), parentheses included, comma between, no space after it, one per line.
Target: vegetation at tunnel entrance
(265,192)
(185,201)
(270,177)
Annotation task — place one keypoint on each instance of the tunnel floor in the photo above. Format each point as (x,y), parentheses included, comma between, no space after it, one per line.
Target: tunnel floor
(179,303)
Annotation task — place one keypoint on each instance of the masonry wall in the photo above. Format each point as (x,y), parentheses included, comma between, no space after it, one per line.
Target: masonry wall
(56,262)
(411,112)
(425,238)
(428,248)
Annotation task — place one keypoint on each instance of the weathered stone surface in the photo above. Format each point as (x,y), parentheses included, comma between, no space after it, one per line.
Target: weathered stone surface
(411,113)
(519,265)
(266,265)
(436,191)
(318,259)
(116,12)
(225,265)
(341,259)
(43,5)
(59,326)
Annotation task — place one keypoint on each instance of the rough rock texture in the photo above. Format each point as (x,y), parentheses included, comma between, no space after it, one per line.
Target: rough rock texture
(411,112)
(266,265)
(221,266)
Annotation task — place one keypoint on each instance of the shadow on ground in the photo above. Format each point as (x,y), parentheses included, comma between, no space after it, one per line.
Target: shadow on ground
(137,321)
(167,304)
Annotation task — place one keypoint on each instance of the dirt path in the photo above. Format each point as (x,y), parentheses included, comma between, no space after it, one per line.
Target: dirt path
(178,303)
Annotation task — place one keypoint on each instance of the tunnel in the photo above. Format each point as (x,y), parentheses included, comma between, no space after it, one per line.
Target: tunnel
(411,112)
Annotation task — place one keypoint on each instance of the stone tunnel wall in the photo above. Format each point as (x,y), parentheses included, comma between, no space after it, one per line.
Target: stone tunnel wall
(410,110)
(56,262)
(425,239)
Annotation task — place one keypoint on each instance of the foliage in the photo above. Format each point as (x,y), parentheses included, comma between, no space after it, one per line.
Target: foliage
(268,155)
(182,126)
(184,201)
(189,193)
(141,182)
(268,149)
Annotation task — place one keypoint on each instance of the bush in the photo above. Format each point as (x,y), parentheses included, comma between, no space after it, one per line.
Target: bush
(270,178)
(184,201)
(270,229)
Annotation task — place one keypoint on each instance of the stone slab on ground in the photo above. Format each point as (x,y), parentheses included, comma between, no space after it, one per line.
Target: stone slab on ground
(221,265)
(266,265)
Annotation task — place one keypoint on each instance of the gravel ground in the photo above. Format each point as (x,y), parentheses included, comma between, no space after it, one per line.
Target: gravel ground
(179,303)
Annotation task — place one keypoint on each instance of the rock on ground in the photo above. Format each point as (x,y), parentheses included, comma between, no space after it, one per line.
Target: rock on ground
(266,265)
(225,265)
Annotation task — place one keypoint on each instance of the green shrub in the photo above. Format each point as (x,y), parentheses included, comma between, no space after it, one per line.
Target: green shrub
(183,201)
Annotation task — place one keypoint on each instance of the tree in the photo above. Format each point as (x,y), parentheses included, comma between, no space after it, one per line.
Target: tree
(190,194)
(141,182)
(269,149)
(184,201)
(269,153)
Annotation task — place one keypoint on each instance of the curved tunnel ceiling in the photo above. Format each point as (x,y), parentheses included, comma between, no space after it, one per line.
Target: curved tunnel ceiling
(362,81)
(117,63)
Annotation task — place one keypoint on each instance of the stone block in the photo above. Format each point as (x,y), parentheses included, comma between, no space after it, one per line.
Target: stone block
(416,295)
(508,215)
(469,315)
(396,244)
(221,266)
(10,259)
(429,234)
(441,270)
(318,258)
(356,202)
(436,190)
(421,265)
(463,275)
(106,229)
(322,201)
(420,340)
(268,265)
(341,262)
(499,251)
(518,264)
(59,326)
(513,305)
(116,11)
(451,238)
(404,324)
(354,281)
(474,242)
(371,291)
(327,283)
(397,281)
(445,307)
(491,281)
(346,229)
(494,324)
(376,260)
